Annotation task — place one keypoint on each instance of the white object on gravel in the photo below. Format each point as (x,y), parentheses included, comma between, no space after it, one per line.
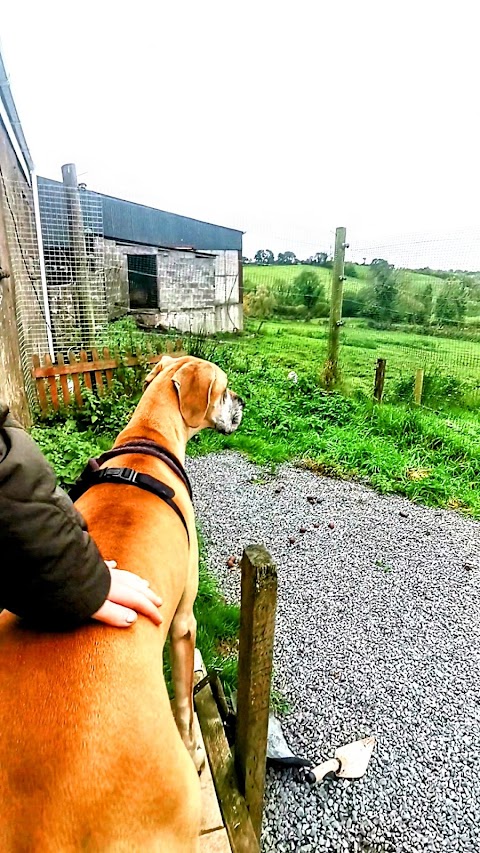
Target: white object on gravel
(378,630)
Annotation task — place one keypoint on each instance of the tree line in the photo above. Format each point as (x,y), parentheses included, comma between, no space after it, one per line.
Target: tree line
(387,296)
(265,257)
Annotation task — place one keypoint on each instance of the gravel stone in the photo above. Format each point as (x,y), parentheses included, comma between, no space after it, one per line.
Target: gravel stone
(377,632)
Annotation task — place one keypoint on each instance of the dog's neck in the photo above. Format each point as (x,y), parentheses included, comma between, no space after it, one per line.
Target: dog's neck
(160,423)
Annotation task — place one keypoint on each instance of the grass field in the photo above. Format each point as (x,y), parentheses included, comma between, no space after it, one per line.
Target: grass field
(302,346)
(254,275)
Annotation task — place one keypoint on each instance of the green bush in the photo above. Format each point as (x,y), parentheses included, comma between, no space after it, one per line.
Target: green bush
(352,303)
(322,309)
(260,303)
(68,450)
(291,312)
(351,270)
(309,291)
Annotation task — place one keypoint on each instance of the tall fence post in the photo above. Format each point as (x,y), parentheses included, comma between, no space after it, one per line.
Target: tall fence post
(336,299)
(82,295)
(379,379)
(417,394)
(257,628)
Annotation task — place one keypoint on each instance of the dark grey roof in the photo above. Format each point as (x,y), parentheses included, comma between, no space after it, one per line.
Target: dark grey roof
(129,222)
(11,110)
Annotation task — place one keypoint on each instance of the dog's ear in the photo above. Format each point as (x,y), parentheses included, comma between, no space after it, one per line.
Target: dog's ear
(194,382)
(165,361)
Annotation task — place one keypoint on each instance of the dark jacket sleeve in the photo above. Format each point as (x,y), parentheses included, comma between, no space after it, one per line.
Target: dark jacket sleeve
(51,571)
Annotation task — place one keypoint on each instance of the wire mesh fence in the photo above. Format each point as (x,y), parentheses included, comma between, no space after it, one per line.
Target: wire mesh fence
(30,304)
(73,248)
(63,306)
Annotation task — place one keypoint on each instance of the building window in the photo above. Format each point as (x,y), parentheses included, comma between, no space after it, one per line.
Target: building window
(142,281)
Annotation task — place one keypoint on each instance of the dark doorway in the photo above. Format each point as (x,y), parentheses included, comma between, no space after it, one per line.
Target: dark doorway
(142,281)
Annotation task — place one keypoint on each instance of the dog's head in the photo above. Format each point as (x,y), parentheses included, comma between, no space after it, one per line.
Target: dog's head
(203,397)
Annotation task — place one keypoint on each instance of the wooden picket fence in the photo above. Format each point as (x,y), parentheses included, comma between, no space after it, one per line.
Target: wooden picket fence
(59,383)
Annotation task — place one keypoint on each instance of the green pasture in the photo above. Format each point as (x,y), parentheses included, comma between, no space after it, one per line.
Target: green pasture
(301,346)
(254,275)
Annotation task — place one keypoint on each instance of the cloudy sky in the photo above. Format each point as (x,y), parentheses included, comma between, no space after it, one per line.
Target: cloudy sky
(283,120)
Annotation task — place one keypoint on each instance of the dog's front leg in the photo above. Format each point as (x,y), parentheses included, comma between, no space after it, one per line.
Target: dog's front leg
(183,631)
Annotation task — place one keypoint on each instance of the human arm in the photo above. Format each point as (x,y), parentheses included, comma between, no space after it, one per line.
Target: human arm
(51,571)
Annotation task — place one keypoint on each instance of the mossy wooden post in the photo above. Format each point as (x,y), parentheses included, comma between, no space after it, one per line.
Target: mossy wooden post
(379,379)
(336,300)
(417,394)
(257,628)
(232,804)
(82,294)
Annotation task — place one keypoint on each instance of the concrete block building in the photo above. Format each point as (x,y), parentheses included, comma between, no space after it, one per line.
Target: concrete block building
(168,270)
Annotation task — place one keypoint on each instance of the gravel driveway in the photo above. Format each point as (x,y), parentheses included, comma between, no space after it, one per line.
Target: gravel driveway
(378,630)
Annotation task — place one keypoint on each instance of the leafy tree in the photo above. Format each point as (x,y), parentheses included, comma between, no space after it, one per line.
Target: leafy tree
(409,307)
(474,288)
(264,257)
(427,299)
(381,262)
(444,308)
(382,294)
(451,304)
(287,258)
(414,303)
(320,259)
(460,296)
(310,290)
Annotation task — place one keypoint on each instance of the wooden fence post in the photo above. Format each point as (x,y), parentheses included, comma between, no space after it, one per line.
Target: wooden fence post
(336,299)
(257,628)
(379,379)
(417,394)
(234,809)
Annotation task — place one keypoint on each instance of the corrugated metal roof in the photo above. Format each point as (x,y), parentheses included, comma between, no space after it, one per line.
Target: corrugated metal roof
(137,223)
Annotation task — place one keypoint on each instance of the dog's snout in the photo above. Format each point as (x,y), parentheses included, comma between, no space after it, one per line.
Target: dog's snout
(229,413)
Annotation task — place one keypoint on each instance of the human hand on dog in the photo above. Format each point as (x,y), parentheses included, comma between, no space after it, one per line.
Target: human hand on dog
(129,594)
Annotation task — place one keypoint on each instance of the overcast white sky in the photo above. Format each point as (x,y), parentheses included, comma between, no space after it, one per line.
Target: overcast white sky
(281,120)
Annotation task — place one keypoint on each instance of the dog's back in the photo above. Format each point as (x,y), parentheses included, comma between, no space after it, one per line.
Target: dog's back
(91,758)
